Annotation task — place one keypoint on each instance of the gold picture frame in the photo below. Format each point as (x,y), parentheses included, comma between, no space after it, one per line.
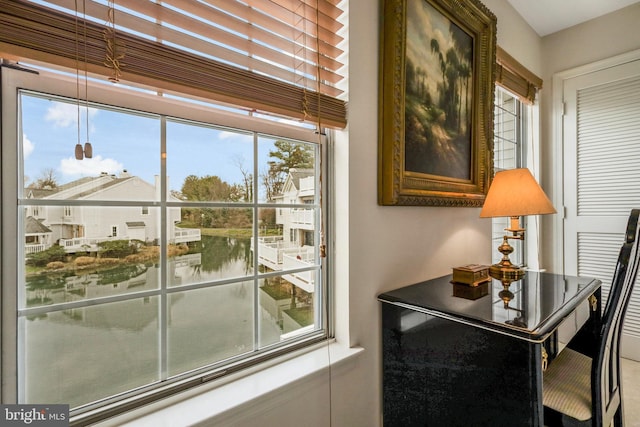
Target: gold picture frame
(436,102)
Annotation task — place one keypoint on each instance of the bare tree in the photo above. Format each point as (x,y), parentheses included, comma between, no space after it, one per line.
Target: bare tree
(247,178)
(48,179)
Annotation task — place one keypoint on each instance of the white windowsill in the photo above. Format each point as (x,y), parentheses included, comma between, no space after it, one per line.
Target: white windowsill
(214,399)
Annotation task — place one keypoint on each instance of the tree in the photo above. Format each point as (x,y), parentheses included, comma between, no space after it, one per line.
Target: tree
(462,45)
(213,189)
(116,248)
(292,155)
(272,181)
(246,188)
(48,179)
(40,259)
(209,188)
(289,155)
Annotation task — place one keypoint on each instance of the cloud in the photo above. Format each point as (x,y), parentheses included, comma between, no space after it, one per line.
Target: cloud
(62,114)
(225,134)
(27,146)
(89,167)
(65,115)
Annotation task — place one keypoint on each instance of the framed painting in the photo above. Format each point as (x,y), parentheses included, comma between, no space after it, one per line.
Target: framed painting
(436,102)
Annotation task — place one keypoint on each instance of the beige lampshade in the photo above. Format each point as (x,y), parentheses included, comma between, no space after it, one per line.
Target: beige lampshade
(515,192)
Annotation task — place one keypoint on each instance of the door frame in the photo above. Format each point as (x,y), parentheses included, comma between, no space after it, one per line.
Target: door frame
(557,157)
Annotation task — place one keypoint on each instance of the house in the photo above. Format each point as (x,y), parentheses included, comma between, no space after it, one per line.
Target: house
(295,248)
(37,235)
(80,229)
(380,248)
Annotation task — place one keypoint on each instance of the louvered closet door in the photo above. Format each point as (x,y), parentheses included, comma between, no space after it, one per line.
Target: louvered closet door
(602,177)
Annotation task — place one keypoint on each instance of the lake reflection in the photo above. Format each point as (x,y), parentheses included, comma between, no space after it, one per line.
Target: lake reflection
(214,258)
(85,354)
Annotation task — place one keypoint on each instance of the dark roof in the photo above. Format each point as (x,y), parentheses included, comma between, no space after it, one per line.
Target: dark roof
(34,226)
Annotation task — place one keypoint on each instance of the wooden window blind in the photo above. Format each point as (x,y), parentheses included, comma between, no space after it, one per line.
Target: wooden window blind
(274,56)
(516,78)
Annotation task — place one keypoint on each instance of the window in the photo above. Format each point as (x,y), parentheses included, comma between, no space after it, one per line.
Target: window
(208,281)
(67,211)
(514,142)
(194,159)
(509,131)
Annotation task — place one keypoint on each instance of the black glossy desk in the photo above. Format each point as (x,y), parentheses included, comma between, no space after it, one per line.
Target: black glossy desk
(449,361)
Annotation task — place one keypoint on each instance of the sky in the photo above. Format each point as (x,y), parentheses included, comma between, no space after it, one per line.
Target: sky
(124,141)
(425,23)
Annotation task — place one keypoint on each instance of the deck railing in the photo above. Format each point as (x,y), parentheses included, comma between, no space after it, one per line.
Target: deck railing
(90,244)
(184,235)
(277,255)
(302,279)
(34,248)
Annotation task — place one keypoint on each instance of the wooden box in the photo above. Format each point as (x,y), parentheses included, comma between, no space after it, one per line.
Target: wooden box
(471,274)
(463,290)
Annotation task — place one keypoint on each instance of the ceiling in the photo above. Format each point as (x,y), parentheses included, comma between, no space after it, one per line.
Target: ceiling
(549,16)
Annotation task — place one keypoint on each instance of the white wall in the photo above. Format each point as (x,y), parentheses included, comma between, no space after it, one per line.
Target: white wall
(516,37)
(595,40)
(380,248)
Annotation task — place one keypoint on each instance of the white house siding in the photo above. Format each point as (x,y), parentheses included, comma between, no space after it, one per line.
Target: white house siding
(100,221)
(298,187)
(136,231)
(79,226)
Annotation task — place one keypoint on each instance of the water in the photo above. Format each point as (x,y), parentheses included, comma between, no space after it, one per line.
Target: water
(86,354)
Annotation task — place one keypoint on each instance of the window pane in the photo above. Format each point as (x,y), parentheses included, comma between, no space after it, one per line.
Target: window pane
(209,164)
(288,300)
(84,354)
(125,148)
(508,152)
(286,310)
(210,325)
(219,249)
(508,142)
(79,258)
(286,170)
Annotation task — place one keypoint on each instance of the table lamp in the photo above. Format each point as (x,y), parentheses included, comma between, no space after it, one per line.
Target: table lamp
(513,193)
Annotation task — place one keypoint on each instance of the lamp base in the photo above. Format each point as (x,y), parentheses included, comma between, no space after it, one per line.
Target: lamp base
(506,272)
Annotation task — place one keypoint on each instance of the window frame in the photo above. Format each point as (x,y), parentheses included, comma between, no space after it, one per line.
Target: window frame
(9,233)
(525,86)
(521,120)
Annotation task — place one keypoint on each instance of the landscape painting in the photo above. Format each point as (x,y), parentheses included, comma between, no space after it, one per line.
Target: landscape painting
(436,102)
(438,87)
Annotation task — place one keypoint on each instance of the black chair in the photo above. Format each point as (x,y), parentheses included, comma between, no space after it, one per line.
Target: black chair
(585,388)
